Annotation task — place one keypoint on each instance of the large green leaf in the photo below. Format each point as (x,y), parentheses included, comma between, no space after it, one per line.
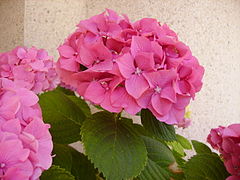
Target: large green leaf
(73,161)
(158,152)
(64,116)
(184,142)
(56,102)
(56,173)
(200,148)
(82,168)
(177,147)
(81,104)
(153,171)
(179,159)
(205,167)
(157,128)
(159,159)
(113,146)
(63,157)
(65,91)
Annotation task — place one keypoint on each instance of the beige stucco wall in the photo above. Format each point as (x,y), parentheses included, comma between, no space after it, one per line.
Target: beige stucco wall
(11,23)
(210,27)
(48,22)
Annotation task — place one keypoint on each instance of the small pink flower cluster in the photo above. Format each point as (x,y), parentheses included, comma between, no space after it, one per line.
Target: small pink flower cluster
(119,65)
(30,68)
(227,141)
(25,141)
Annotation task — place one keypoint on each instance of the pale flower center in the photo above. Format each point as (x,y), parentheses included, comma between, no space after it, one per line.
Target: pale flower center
(138,71)
(104,85)
(158,89)
(105,36)
(2,165)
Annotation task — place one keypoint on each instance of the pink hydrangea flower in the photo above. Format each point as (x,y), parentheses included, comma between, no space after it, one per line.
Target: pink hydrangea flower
(121,65)
(25,141)
(227,141)
(233,178)
(30,68)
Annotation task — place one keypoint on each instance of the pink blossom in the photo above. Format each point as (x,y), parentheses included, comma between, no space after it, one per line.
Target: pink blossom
(121,98)
(25,141)
(226,141)
(96,57)
(121,65)
(233,178)
(29,68)
(133,70)
(97,87)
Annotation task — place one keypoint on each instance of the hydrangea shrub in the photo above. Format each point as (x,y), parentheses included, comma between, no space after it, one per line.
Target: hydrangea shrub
(121,65)
(111,65)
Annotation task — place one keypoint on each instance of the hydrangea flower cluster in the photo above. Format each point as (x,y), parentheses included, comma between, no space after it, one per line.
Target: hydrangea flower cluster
(227,141)
(30,68)
(25,141)
(118,65)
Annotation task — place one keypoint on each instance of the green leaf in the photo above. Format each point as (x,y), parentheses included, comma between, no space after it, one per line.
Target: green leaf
(201,148)
(56,102)
(159,159)
(158,152)
(65,91)
(63,157)
(184,142)
(81,104)
(205,167)
(153,171)
(56,173)
(179,159)
(113,146)
(82,168)
(64,116)
(179,145)
(157,128)
(176,146)
(74,162)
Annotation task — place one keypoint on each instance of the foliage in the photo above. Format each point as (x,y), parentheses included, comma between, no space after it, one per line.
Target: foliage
(115,148)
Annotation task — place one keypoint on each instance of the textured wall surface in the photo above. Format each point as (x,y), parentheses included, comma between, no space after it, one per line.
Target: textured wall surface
(210,27)
(48,22)
(11,23)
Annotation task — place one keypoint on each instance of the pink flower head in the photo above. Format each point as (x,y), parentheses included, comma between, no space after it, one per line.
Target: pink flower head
(25,141)
(118,65)
(30,68)
(233,178)
(227,141)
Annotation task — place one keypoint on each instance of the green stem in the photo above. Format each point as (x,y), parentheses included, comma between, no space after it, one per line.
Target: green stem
(117,116)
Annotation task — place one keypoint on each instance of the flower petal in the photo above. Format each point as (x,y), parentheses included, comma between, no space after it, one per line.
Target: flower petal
(160,105)
(120,98)
(106,104)
(126,65)
(169,93)
(145,99)
(140,44)
(136,85)
(95,92)
(161,78)
(145,61)
(66,51)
